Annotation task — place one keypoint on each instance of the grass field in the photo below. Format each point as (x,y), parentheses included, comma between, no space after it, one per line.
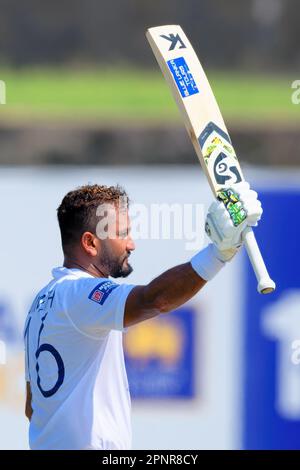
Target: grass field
(135,95)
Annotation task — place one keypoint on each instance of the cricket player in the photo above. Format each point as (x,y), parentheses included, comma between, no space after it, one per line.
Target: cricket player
(77,388)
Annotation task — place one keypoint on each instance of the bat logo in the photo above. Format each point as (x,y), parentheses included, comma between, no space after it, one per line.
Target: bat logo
(174,40)
(224,171)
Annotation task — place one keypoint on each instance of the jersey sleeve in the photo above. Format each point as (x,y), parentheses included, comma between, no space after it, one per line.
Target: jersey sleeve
(96,305)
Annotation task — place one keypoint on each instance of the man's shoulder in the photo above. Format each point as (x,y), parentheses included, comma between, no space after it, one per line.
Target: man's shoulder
(71,280)
(93,288)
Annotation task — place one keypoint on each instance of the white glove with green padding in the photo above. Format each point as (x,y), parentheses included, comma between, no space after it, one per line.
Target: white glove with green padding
(237,208)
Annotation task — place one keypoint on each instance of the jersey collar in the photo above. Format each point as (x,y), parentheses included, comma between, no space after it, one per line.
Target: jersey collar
(61,271)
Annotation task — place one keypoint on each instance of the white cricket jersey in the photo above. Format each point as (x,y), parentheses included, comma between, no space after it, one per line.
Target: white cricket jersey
(75,364)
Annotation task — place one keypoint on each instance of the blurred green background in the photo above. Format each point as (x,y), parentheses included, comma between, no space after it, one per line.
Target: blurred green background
(131,93)
(86,69)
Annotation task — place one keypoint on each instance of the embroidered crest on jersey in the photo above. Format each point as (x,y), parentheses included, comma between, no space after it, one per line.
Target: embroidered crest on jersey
(100,293)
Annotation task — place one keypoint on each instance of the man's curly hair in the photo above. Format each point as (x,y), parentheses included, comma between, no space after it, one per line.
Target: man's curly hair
(77,211)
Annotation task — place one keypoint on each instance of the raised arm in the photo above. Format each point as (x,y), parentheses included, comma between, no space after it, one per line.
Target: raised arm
(225,224)
(166,292)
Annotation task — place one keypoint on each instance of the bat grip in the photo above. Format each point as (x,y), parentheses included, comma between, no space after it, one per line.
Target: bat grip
(265,284)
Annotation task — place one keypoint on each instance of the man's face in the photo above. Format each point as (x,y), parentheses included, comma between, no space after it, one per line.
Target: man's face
(116,247)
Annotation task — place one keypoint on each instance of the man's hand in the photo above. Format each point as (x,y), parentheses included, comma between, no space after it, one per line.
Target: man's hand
(237,208)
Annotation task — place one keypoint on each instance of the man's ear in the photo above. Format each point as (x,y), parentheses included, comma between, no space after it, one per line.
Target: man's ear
(89,243)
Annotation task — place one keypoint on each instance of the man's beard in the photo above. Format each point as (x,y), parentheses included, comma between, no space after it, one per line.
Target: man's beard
(116,267)
(120,269)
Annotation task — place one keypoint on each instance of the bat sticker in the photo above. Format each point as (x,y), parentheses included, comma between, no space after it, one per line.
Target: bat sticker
(219,155)
(174,40)
(224,171)
(183,77)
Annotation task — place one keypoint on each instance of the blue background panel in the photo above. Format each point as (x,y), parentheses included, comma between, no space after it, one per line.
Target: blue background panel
(160,356)
(265,427)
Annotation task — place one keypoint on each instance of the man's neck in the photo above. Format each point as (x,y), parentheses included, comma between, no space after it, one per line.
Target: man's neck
(90,268)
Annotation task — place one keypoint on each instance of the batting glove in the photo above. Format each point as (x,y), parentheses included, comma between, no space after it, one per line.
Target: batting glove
(236,208)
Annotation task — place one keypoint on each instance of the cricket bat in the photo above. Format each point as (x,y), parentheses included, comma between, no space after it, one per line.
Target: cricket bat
(205,125)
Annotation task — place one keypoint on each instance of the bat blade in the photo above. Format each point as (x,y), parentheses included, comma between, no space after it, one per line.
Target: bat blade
(204,122)
(197,104)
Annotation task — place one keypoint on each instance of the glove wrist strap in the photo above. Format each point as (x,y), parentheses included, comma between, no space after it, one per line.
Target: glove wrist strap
(206,264)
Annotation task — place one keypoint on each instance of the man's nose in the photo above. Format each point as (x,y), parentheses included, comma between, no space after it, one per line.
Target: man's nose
(130,244)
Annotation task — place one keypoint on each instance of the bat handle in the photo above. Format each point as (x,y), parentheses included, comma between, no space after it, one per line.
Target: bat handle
(265,284)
